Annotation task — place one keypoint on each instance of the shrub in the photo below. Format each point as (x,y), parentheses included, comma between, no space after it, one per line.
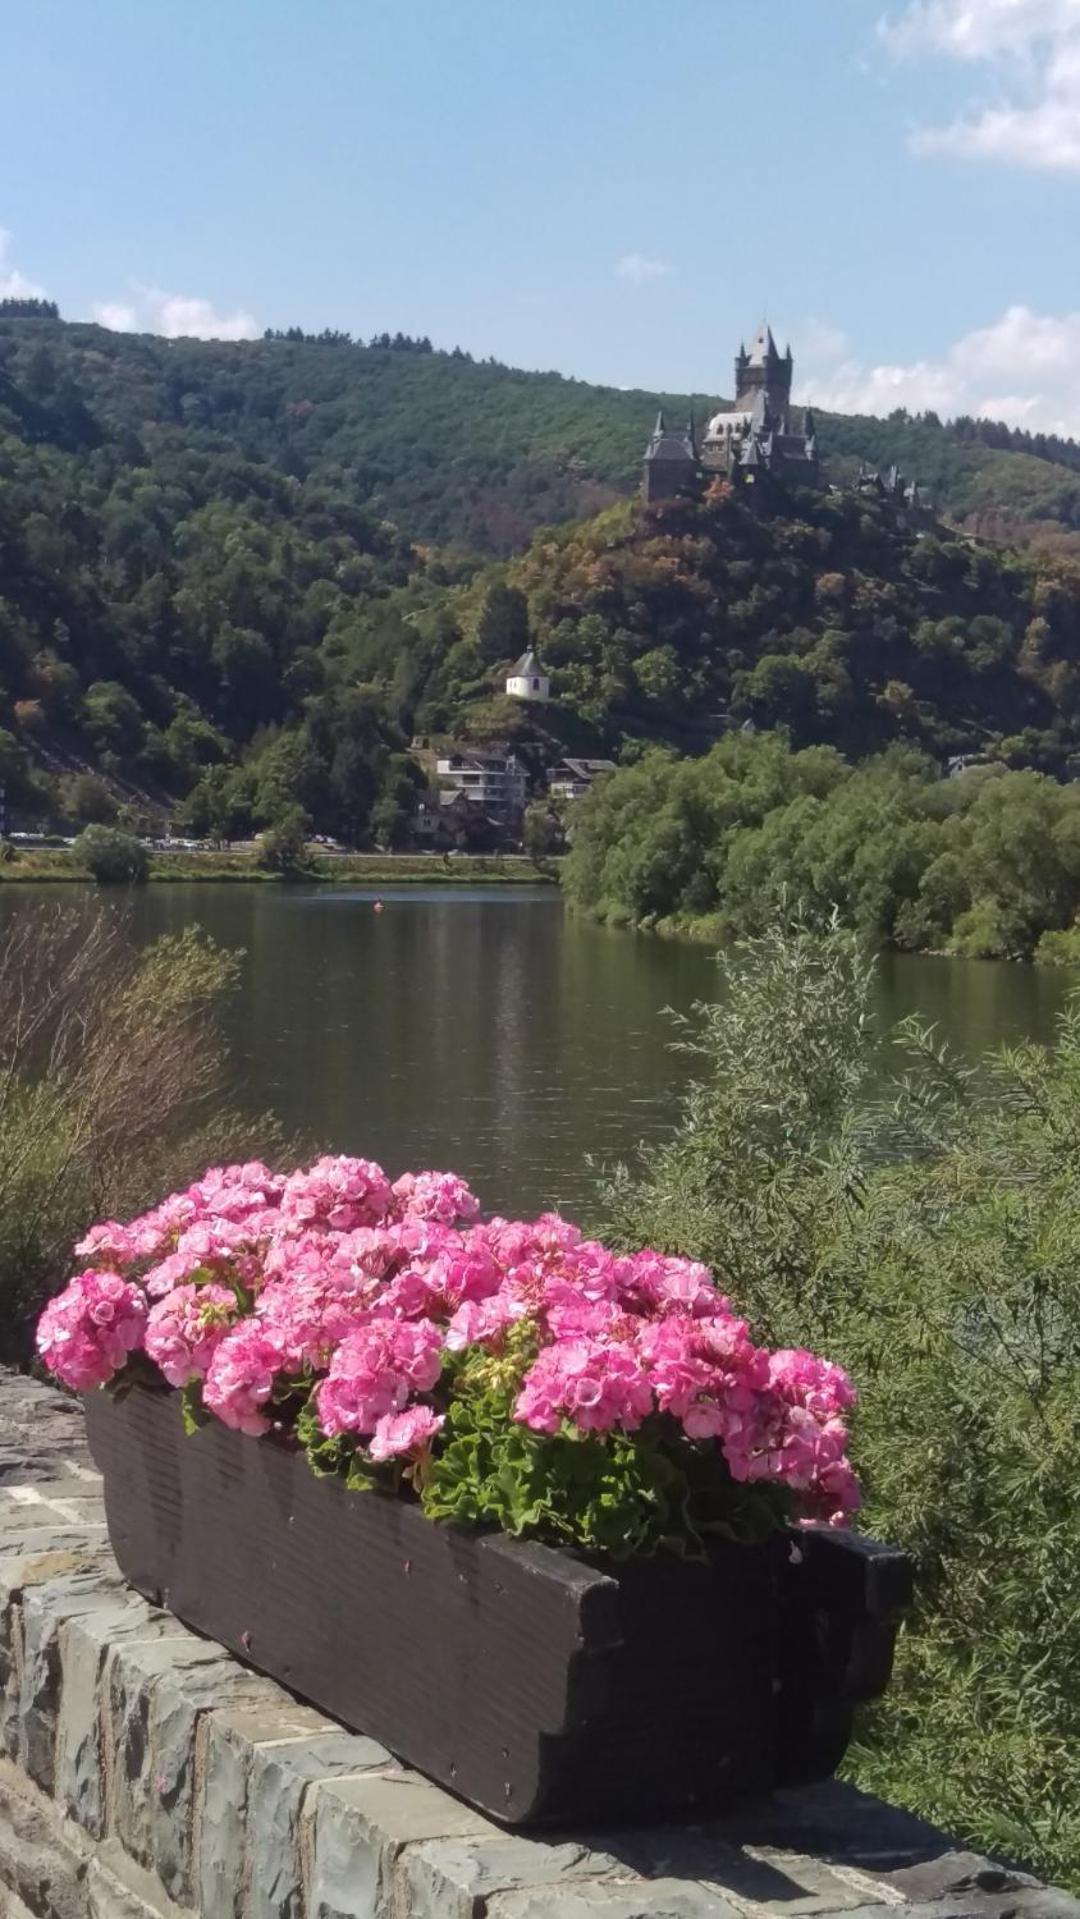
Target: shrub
(114,1079)
(283,846)
(925,1229)
(1059,949)
(112,857)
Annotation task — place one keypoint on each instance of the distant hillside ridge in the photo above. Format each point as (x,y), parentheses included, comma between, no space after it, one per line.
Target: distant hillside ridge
(238,579)
(458,451)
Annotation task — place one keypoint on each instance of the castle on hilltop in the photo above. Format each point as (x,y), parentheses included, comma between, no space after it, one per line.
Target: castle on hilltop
(761,434)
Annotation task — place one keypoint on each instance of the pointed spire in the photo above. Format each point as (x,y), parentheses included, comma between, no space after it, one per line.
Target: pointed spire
(659,427)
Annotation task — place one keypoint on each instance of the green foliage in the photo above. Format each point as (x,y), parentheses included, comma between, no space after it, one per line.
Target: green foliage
(114,1087)
(112,857)
(828,616)
(283,846)
(926,1235)
(599,1492)
(982,864)
(1059,949)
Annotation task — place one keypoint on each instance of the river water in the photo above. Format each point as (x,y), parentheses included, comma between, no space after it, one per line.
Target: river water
(488,1031)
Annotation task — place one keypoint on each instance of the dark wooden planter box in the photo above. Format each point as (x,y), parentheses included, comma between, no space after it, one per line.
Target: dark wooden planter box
(539,1685)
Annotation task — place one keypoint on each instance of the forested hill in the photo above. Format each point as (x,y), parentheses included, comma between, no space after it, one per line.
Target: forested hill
(242,576)
(456,451)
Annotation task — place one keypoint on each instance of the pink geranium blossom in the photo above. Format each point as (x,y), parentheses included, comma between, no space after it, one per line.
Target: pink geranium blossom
(375,1371)
(411,1431)
(374,1305)
(594,1385)
(86,1333)
(184,1330)
(241,1377)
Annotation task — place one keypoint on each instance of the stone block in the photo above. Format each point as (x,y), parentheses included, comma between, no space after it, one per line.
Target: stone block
(44,1610)
(107,1897)
(1035,1902)
(194,1676)
(280,1778)
(357,1829)
(11,1664)
(36,1862)
(135,1780)
(84,1642)
(229,1741)
(654,1899)
(772,1879)
(451,1878)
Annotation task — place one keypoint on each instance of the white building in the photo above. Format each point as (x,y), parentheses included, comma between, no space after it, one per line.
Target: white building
(526,680)
(493,781)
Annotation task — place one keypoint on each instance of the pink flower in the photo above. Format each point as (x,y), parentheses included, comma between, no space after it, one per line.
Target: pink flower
(340,1193)
(705,1372)
(440,1196)
(482,1322)
(439,1285)
(411,1431)
(86,1333)
(109,1241)
(309,1314)
(375,1371)
(185,1329)
(236,1192)
(260,1279)
(241,1377)
(595,1385)
(653,1283)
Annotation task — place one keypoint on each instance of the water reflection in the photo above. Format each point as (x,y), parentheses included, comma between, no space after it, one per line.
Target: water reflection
(486,1031)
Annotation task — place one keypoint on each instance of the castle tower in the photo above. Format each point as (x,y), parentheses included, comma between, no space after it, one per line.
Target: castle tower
(763,370)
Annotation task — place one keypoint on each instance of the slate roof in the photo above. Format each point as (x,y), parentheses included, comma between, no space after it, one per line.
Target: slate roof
(527,668)
(671,443)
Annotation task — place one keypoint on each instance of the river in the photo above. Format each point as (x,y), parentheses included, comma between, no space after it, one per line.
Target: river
(490,1032)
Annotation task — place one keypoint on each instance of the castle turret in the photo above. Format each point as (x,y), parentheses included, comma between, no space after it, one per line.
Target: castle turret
(671,462)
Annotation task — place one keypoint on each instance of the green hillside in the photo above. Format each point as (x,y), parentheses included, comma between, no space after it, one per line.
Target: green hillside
(249,572)
(457,451)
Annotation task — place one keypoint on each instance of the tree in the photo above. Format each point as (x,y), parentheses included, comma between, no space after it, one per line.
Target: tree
(283,845)
(501,631)
(541,831)
(86,798)
(113,858)
(112,718)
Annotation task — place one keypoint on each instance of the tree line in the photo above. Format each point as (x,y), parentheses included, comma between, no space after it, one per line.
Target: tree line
(986,864)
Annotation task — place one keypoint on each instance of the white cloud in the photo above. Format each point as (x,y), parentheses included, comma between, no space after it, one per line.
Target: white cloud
(639,267)
(178,316)
(13,284)
(1031,52)
(115,315)
(1024,368)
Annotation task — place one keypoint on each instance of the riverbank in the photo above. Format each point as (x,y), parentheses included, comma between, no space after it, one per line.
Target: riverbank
(50,865)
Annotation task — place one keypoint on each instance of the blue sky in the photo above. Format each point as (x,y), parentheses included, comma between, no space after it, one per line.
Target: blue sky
(616,188)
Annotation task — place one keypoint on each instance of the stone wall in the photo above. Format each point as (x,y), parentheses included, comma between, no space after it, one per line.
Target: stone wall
(146,1772)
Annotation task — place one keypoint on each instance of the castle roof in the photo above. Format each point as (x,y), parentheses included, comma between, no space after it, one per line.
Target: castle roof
(763,348)
(671,443)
